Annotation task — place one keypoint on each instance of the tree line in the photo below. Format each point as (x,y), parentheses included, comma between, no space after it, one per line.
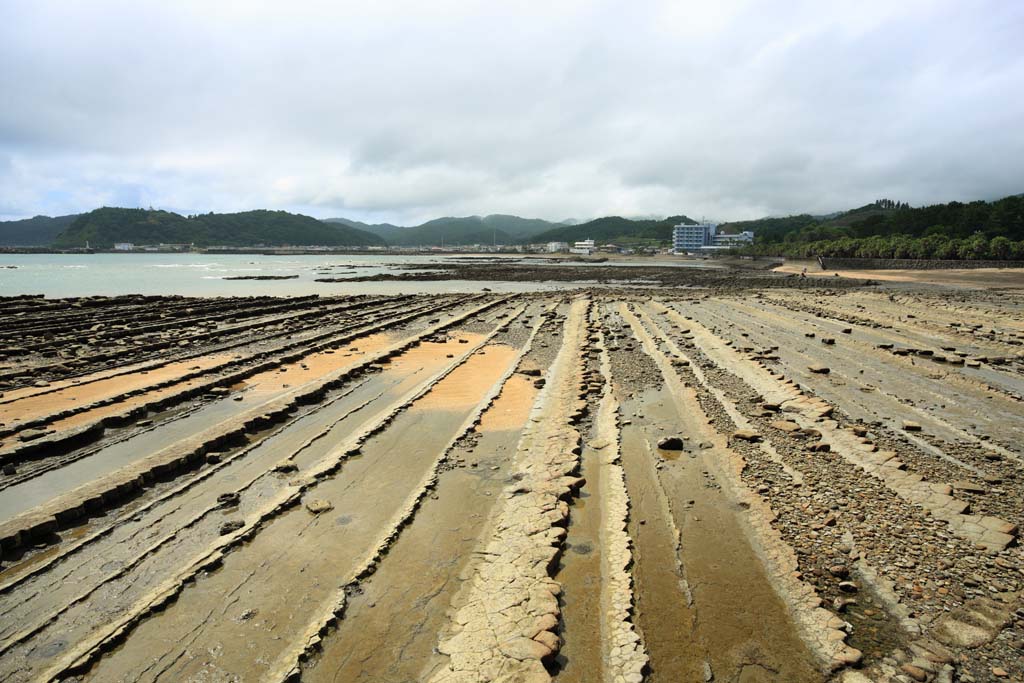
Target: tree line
(893,229)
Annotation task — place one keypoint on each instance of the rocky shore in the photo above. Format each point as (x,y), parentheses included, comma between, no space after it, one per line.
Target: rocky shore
(701,474)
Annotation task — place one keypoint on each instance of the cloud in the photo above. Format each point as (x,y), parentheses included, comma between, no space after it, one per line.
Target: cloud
(404,111)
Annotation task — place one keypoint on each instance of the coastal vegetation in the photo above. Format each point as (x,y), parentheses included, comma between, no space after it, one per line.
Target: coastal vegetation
(891,229)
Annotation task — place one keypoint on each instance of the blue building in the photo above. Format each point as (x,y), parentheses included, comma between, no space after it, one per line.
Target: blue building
(692,237)
(704,237)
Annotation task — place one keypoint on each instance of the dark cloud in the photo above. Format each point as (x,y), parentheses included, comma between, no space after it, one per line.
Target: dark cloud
(405,111)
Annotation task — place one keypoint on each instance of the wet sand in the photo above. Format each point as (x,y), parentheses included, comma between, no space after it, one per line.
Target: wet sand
(981,278)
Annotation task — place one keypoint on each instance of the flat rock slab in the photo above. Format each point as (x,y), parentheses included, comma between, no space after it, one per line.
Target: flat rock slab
(974,624)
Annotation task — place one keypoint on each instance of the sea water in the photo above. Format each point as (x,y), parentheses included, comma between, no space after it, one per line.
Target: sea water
(68,275)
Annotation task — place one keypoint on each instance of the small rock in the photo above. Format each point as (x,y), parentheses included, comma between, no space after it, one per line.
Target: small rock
(848,587)
(968,487)
(230,498)
(917,673)
(231,526)
(910,426)
(819,369)
(318,505)
(746,435)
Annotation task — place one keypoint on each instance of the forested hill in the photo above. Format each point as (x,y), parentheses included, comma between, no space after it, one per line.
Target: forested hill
(102,228)
(454,231)
(39,231)
(892,229)
(615,229)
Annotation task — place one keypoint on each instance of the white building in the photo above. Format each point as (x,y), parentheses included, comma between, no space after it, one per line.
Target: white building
(737,240)
(585,247)
(124,246)
(556,247)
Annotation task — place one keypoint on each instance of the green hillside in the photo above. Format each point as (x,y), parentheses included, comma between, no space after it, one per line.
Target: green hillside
(615,229)
(39,231)
(102,228)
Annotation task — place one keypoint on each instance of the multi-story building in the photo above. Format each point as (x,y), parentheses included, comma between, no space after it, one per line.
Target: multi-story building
(704,237)
(692,237)
(585,247)
(734,240)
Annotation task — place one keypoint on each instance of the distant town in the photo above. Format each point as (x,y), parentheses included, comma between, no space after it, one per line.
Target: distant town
(700,239)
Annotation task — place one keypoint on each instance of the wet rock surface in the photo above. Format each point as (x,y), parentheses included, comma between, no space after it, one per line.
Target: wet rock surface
(620,468)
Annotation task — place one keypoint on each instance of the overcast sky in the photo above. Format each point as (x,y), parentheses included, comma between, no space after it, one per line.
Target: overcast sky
(404,111)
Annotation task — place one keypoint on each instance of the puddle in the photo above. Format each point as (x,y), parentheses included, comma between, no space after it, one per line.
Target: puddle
(579,572)
(662,613)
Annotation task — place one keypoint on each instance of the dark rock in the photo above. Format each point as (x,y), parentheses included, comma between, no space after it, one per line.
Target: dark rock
(670,443)
(231,526)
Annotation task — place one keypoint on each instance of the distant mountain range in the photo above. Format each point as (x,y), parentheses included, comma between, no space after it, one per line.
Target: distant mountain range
(503,229)
(493,229)
(103,228)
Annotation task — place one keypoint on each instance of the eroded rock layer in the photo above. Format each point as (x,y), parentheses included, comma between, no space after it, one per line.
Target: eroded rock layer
(593,485)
